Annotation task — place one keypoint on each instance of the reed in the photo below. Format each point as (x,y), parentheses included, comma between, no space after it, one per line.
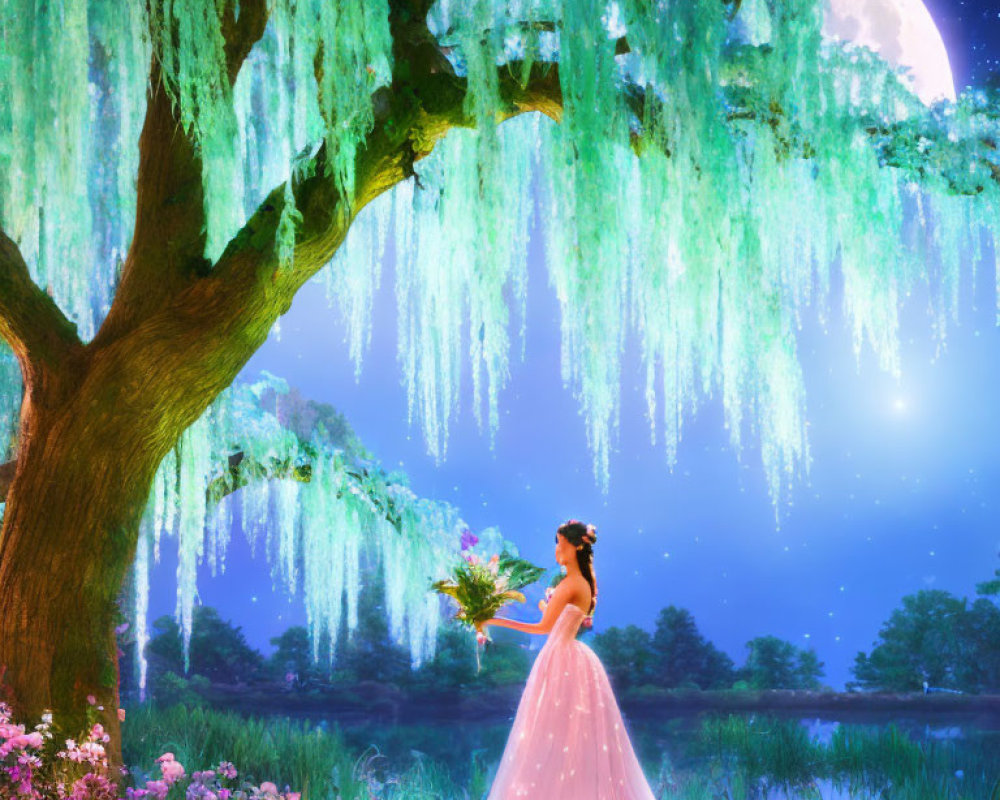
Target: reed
(735,757)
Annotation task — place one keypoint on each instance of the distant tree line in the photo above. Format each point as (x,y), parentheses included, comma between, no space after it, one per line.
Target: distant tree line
(934,637)
(674,656)
(938,638)
(677,656)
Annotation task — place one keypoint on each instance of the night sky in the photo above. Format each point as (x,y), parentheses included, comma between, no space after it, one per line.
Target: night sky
(902,494)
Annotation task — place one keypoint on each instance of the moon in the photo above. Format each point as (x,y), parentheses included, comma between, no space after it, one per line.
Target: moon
(903,33)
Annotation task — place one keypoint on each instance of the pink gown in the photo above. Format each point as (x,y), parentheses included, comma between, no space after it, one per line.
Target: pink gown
(568,741)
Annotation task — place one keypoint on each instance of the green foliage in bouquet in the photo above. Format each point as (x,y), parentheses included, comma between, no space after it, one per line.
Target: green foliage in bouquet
(519,572)
(482,589)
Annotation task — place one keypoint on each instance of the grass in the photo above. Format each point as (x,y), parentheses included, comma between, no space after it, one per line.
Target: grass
(729,757)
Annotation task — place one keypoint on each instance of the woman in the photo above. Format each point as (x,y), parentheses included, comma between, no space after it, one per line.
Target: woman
(568,741)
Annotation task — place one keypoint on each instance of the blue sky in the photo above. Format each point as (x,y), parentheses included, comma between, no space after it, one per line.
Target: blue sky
(899,497)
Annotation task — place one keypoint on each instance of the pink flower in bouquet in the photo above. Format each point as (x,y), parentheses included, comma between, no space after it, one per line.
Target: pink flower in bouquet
(472,558)
(121,714)
(293,795)
(469,539)
(268,789)
(91,700)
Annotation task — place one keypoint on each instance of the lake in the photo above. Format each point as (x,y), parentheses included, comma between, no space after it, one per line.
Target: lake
(733,755)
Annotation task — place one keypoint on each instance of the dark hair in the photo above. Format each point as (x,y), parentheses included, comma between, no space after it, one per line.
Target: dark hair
(583,537)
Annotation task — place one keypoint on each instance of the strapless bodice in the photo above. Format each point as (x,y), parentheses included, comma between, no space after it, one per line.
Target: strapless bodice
(567,624)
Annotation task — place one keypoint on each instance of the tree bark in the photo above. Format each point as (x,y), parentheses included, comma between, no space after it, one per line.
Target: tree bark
(69,536)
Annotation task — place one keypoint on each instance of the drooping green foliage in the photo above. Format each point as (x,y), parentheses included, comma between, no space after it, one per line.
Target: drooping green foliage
(309,80)
(707,181)
(716,166)
(10,403)
(72,79)
(265,462)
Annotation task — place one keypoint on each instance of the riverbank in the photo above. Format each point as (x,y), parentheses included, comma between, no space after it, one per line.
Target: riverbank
(374,701)
(685,757)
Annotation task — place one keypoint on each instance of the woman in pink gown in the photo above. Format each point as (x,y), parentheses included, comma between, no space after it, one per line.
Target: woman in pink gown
(568,741)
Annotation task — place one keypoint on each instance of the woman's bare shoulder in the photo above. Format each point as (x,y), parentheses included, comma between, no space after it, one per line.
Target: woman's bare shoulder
(576,586)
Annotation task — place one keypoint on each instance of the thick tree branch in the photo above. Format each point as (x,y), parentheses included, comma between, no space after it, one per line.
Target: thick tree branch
(168,240)
(415,51)
(30,321)
(242,33)
(246,292)
(410,122)
(238,475)
(194,345)
(536,26)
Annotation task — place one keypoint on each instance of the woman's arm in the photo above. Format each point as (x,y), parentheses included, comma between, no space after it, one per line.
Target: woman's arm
(560,597)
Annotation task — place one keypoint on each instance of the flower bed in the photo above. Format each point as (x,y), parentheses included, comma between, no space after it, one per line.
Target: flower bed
(35,767)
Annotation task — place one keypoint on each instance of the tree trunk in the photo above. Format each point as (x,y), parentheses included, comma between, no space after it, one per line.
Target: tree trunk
(91,440)
(69,535)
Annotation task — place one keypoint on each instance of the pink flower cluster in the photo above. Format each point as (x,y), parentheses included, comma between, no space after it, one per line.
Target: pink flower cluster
(20,761)
(25,774)
(93,786)
(209,784)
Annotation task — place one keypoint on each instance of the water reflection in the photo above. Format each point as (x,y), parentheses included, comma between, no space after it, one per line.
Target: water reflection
(754,756)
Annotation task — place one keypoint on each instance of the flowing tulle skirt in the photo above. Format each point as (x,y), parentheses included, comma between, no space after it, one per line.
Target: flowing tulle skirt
(568,741)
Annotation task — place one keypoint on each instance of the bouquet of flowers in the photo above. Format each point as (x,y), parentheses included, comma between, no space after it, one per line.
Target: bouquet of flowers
(481,588)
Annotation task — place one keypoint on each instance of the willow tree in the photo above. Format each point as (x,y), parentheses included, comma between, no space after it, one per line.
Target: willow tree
(172,175)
